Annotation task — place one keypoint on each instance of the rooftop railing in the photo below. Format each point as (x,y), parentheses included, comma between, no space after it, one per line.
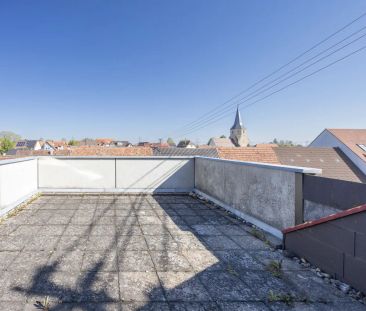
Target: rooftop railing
(270,196)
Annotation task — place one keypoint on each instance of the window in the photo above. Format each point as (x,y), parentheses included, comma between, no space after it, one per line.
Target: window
(362,146)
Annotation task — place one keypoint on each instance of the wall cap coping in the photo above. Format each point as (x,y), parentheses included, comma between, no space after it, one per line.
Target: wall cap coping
(341,214)
(17,160)
(118,157)
(288,168)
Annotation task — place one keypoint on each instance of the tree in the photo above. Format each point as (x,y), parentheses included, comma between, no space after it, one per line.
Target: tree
(10,135)
(170,142)
(73,142)
(6,144)
(222,136)
(284,143)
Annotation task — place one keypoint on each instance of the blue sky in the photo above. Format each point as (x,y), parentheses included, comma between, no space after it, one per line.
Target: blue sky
(142,69)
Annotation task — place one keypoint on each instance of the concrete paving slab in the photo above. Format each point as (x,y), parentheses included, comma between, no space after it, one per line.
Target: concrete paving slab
(147,252)
(140,286)
(135,261)
(224,286)
(183,286)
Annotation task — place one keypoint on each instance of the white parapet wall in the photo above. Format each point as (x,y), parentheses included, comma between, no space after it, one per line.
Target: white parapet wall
(155,174)
(68,173)
(269,196)
(18,182)
(116,174)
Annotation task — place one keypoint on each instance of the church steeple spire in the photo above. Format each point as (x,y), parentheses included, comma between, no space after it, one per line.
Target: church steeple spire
(238,133)
(238,125)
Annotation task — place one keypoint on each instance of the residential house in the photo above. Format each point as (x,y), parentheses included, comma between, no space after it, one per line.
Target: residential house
(106,142)
(46,145)
(25,145)
(28,147)
(220,142)
(352,142)
(333,161)
(29,144)
(121,143)
(186,143)
(58,144)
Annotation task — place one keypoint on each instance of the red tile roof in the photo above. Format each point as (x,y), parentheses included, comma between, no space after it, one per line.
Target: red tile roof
(106,151)
(351,138)
(88,151)
(251,154)
(104,141)
(57,143)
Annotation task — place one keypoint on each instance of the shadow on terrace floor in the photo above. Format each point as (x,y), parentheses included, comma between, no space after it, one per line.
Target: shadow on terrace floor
(148,253)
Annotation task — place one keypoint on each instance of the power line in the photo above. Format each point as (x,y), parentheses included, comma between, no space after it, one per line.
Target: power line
(275,71)
(261,90)
(286,73)
(285,87)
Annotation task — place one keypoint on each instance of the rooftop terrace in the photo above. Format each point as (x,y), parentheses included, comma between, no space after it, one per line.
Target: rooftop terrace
(110,233)
(145,252)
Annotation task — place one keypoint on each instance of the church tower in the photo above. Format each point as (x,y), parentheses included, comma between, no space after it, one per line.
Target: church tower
(238,133)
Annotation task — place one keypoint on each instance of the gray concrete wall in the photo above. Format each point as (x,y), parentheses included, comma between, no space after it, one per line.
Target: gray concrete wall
(124,174)
(314,210)
(18,181)
(262,191)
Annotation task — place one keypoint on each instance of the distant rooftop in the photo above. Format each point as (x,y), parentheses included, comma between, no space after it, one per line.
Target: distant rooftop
(29,144)
(250,154)
(174,152)
(221,142)
(333,162)
(354,139)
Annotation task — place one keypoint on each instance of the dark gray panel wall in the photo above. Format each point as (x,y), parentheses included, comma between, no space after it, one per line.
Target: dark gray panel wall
(336,193)
(337,247)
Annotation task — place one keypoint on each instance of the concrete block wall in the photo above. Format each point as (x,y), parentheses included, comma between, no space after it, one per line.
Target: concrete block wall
(337,246)
(18,182)
(271,194)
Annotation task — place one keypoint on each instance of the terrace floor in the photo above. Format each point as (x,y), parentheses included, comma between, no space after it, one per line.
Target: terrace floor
(105,252)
